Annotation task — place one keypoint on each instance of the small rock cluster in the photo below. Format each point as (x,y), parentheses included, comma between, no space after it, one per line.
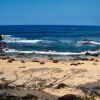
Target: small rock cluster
(2,44)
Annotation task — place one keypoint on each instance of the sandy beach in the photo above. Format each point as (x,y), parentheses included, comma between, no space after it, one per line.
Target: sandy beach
(48,75)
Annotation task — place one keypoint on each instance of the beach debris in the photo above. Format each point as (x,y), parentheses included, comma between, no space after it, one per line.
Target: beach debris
(96,60)
(42,62)
(22,61)
(10,61)
(34,60)
(94,64)
(55,61)
(85,59)
(80,58)
(92,59)
(61,85)
(22,67)
(75,64)
(79,63)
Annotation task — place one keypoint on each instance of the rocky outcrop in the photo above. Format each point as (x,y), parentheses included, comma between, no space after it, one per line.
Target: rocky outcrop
(91,54)
(2,46)
(1,37)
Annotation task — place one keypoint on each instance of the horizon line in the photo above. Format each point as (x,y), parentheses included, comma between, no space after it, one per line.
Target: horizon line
(45,25)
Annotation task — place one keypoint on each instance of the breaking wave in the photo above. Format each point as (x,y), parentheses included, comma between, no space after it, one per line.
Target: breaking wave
(89,42)
(11,39)
(50,52)
(24,41)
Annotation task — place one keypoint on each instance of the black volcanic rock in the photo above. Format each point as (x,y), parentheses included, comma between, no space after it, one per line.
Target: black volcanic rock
(2,45)
(1,37)
(87,54)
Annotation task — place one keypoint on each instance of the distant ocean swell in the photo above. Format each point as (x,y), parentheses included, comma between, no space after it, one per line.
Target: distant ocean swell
(11,39)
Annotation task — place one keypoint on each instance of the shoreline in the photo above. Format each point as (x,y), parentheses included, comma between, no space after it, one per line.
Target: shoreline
(51,59)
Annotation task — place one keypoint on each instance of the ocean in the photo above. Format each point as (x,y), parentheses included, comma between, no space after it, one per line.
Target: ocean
(50,40)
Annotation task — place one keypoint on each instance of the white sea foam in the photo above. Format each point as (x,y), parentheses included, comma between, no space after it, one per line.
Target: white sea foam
(25,41)
(93,42)
(11,39)
(89,42)
(50,52)
(16,51)
(57,53)
(9,50)
(17,40)
(4,36)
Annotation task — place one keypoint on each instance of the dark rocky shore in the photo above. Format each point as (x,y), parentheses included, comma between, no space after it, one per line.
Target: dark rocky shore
(2,44)
(1,37)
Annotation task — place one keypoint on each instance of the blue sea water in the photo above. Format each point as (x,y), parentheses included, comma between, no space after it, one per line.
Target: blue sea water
(51,39)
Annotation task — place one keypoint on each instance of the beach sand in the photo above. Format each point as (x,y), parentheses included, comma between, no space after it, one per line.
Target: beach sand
(74,74)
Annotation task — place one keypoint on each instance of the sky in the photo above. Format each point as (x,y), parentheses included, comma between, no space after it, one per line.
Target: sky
(50,12)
